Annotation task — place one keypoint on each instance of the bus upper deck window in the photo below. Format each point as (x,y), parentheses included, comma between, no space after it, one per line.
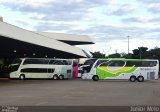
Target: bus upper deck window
(116,63)
(153,63)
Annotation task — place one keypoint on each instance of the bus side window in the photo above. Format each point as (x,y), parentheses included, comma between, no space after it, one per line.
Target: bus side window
(104,64)
(116,63)
(34,70)
(64,62)
(129,63)
(153,63)
(69,61)
(101,63)
(52,62)
(58,62)
(149,63)
(36,61)
(51,70)
(134,63)
(146,64)
(141,63)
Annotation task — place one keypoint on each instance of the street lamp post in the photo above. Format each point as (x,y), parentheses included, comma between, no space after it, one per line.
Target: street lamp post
(128,44)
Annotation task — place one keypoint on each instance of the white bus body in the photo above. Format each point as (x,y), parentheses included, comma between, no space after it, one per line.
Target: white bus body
(41,68)
(131,69)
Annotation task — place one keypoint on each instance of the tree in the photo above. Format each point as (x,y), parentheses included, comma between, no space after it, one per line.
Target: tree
(129,56)
(116,55)
(139,53)
(98,54)
(123,54)
(142,49)
(153,53)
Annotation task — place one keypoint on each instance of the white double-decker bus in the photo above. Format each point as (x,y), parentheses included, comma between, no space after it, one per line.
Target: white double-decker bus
(23,68)
(120,68)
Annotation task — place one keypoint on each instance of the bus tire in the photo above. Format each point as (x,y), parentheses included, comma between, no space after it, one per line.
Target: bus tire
(140,78)
(95,78)
(55,77)
(61,77)
(132,78)
(22,77)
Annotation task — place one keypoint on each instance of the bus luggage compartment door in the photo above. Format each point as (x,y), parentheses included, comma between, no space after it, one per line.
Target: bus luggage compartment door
(150,75)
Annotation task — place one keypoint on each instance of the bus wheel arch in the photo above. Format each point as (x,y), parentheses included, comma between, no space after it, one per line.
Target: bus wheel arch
(140,78)
(132,78)
(61,77)
(55,77)
(22,76)
(95,78)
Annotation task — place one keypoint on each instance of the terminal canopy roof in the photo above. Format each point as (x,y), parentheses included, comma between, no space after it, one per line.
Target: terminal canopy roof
(69,38)
(18,42)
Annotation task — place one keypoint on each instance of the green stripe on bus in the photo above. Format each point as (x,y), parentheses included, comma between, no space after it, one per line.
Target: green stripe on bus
(102,74)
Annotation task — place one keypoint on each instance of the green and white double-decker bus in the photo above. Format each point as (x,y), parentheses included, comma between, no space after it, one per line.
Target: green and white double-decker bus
(23,68)
(120,68)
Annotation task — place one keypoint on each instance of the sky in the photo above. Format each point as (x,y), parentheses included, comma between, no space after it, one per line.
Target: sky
(109,23)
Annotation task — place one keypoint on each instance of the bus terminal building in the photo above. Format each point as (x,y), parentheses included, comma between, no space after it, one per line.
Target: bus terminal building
(16,42)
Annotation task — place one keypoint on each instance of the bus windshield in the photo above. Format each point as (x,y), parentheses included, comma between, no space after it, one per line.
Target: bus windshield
(15,65)
(90,63)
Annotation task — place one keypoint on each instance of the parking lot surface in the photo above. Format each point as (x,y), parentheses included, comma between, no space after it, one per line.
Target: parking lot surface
(77,92)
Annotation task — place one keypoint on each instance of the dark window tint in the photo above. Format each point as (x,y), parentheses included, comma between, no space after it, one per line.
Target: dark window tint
(37,70)
(36,61)
(89,62)
(17,61)
(116,63)
(141,63)
(79,71)
(130,63)
(15,65)
(134,63)
(153,63)
(59,62)
(69,61)
(14,68)
(101,63)
(149,63)
(50,70)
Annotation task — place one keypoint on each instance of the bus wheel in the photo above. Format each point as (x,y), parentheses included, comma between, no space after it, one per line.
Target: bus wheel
(140,78)
(61,77)
(55,77)
(132,78)
(95,78)
(22,77)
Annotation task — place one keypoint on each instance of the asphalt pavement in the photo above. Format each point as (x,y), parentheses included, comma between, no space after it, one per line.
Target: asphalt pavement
(78,92)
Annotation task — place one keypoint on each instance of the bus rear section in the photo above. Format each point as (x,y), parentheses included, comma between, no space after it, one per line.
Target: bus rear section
(63,68)
(130,69)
